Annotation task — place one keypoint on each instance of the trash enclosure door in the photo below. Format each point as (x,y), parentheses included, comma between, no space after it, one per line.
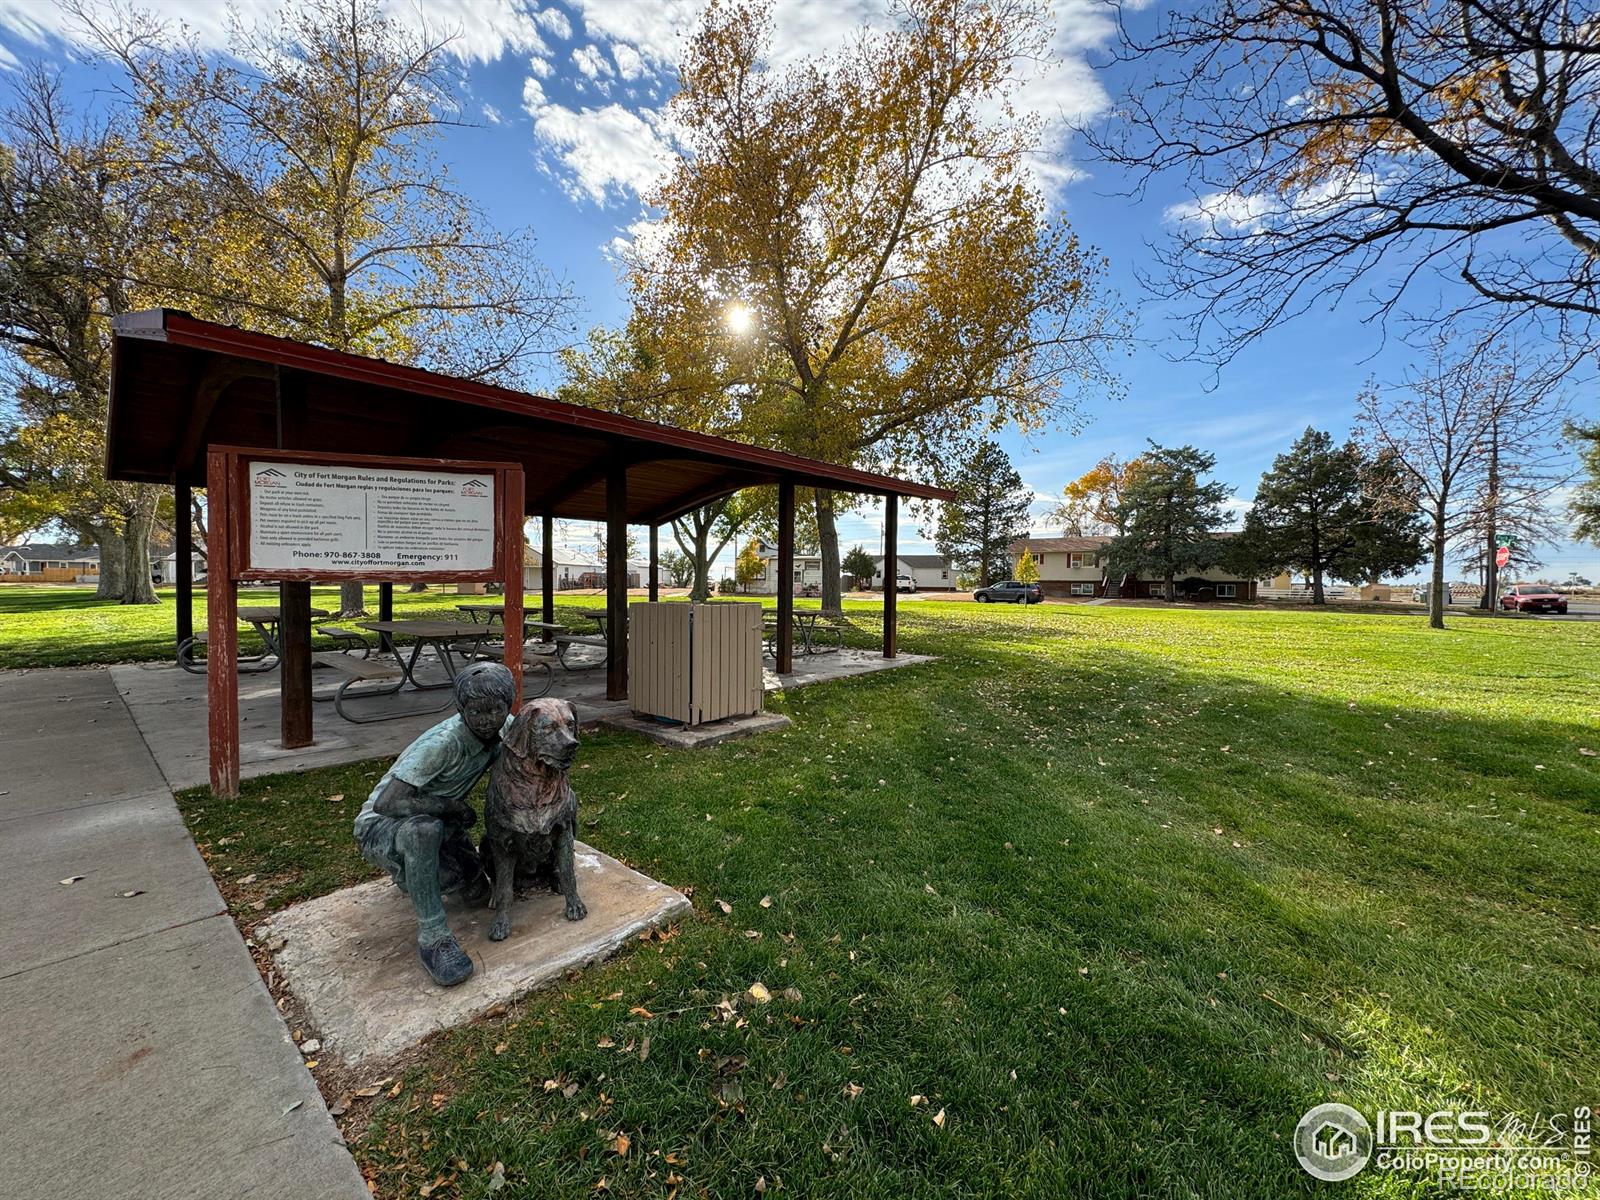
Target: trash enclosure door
(695,662)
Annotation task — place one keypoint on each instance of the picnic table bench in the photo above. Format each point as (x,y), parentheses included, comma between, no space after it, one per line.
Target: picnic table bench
(356,671)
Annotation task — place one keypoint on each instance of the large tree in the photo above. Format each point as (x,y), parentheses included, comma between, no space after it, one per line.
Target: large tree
(1433,429)
(1169,516)
(1090,504)
(865,221)
(1313,513)
(990,512)
(1332,144)
(319,210)
(75,219)
(1584,506)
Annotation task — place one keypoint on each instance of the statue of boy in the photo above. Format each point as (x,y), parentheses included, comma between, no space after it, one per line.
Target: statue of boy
(416,824)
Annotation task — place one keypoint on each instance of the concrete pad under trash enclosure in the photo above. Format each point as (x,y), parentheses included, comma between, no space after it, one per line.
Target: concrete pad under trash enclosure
(351,957)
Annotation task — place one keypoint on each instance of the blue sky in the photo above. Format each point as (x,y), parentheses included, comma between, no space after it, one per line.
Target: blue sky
(566,101)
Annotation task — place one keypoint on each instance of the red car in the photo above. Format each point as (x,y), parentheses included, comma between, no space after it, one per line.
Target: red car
(1533,597)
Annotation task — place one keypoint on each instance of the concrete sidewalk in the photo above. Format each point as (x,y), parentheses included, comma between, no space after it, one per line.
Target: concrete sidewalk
(147,1057)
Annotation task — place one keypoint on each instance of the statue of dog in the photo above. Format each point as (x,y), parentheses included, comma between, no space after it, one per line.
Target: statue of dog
(531,814)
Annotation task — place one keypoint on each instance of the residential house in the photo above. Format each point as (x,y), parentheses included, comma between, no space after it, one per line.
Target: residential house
(573,569)
(930,572)
(807,572)
(47,562)
(1078,566)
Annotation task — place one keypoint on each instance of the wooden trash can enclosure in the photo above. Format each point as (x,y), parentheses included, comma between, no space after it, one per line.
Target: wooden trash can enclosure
(694,662)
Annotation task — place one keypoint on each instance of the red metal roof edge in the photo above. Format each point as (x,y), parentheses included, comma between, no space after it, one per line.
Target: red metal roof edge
(181,329)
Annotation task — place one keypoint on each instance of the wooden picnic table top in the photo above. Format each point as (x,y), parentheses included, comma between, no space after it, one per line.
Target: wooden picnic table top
(424,628)
(265,613)
(488,608)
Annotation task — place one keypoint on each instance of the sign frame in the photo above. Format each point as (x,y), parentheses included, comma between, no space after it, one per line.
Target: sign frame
(240,568)
(227,499)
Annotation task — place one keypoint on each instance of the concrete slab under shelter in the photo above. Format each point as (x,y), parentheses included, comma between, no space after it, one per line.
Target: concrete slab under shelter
(169,707)
(351,957)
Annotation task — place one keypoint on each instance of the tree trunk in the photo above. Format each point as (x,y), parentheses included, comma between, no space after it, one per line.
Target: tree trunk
(1436,588)
(137,587)
(1317,596)
(111,560)
(352,600)
(1491,568)
(828,545)
(1172,588)
(700,561)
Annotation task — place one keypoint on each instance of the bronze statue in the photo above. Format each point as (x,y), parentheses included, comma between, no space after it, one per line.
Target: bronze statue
(417,823)
(531,814)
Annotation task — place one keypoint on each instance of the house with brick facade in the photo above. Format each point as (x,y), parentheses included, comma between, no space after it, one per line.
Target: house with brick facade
(1078,566)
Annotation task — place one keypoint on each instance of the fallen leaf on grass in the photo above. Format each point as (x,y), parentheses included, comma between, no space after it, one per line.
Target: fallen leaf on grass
(644,1049)
(938,1118)
(1588,753)
(639,1010)
(605,1043)
(853,1089)
(918,1100)
(497,1178)
(335,798)
(500,1048)
(247,879)
(620,1144)
(367,1093)
(761,1184)
(726,908)
(766,902)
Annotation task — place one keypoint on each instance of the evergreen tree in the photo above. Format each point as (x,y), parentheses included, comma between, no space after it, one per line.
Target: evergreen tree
(1585,506)
(858,564)
(1311,514)
(1168,516)
(990,511)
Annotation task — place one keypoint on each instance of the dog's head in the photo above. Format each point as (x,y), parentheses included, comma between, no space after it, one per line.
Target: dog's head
(546,730)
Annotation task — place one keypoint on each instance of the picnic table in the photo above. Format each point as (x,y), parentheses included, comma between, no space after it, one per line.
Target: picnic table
(445,636)
(264,619)
(805,624)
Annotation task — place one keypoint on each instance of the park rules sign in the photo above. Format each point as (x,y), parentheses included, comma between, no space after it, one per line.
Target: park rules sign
(316,517)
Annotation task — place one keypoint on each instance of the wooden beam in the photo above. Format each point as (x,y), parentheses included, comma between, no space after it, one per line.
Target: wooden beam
(579,480)
(294,667)
(222,644)
(217,379)
(785,639)
(386,613)
(617,580)
(891,593)
(655,563)
(183,562)
(294,598)
(547,574)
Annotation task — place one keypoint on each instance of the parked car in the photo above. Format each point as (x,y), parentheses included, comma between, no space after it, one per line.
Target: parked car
(1011,591)
(1533,597)
(904,583)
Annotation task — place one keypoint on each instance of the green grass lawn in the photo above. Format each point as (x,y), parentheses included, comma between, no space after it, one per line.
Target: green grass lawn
(66,627)
(1120,891)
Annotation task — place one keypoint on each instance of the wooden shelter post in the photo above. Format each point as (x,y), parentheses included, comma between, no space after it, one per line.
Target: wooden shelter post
(655,562)
(511,540)
(617,579)
(294,597)
(785,638)
(547,574)
(386,613)
(183,562)
(222,645)
(891,563)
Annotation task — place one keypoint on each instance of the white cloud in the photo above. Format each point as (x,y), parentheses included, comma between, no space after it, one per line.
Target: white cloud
(479,30)
(591,61)
(630,64)
(607,153)
(554,21)
(491,114)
